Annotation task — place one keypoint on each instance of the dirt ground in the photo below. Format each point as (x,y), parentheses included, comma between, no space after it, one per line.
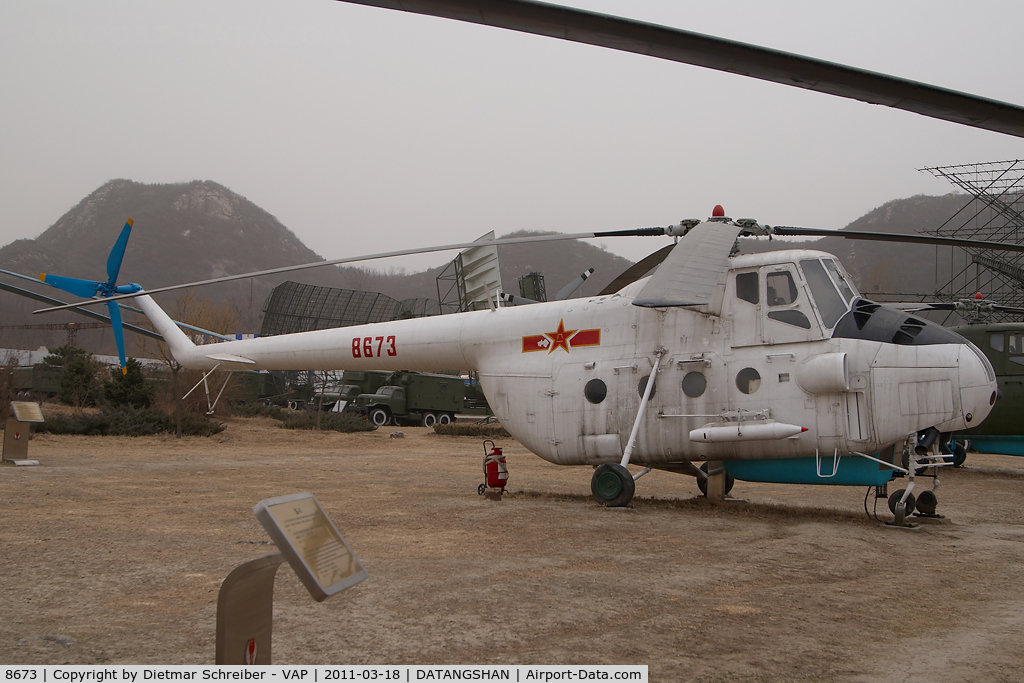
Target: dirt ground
(114,550)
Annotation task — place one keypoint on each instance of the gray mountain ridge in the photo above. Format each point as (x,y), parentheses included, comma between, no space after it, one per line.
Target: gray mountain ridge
(198,230)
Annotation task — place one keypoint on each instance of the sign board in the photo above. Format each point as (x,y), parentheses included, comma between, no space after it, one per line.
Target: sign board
(26,412)
(16,432)
(314,548)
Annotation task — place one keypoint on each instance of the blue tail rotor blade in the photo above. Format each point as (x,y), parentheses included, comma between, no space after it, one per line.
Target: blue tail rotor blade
(117,253)
(72,285)
(115,320)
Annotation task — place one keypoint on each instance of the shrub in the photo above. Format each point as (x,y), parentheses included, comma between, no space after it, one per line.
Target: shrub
(127,421)
(492,431)
(79,377)
(306,419)
(337,422)
(130,388)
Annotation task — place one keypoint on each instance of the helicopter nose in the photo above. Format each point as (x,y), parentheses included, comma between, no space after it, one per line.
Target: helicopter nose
(978,388)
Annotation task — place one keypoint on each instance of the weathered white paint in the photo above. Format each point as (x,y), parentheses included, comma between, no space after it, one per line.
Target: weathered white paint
(852,395)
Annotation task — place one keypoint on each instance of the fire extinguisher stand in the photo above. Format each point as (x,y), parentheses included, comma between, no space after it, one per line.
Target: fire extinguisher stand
(495,473)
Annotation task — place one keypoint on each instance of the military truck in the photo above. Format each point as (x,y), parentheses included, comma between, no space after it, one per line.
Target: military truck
(328,400)
(1002,431)
(35,380)
(407,398)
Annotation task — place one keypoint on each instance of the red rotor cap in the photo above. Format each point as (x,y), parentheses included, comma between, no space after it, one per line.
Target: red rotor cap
(978,297)
(718,211)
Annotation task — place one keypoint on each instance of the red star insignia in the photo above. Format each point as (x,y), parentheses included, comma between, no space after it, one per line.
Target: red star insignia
(560,337)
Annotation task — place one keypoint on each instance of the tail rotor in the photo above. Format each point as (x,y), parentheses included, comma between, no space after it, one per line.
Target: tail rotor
(88,289)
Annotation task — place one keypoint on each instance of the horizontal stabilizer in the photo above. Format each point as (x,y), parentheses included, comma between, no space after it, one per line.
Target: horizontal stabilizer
(229,358)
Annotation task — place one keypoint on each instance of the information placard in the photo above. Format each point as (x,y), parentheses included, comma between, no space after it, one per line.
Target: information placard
(313,546)
(25,411)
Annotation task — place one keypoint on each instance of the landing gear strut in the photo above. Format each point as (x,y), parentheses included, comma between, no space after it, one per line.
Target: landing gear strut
(612,484)
(917,460)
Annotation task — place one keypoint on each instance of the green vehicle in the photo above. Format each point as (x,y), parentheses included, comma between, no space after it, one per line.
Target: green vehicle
(409,398)
(327,400)
(1002,432)
(35,380)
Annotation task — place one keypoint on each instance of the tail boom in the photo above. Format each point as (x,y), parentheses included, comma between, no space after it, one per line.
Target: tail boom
(414,344)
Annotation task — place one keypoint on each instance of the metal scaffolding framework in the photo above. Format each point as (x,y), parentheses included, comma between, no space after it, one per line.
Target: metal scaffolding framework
(296,307)
(996,214)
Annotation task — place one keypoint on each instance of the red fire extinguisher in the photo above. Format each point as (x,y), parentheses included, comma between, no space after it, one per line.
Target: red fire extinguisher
(495,469)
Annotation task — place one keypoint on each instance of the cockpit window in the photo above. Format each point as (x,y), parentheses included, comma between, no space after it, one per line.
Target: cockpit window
(791,316)
(1015,346)
(997,341)
(781,290)
(830,304)
(747,287)
(837,276)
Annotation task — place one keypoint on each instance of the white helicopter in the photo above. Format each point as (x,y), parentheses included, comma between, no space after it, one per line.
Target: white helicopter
(767,367)
(769,364)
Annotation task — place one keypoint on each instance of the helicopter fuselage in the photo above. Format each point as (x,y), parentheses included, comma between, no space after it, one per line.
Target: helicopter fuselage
(784,362)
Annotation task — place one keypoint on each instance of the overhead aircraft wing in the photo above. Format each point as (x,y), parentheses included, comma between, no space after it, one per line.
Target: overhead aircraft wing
(689,275)
(744,59)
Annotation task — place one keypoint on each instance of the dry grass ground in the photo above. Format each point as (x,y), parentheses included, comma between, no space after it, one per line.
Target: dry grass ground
(114,549)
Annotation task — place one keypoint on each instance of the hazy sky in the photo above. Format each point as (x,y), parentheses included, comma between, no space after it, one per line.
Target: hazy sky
(365,130)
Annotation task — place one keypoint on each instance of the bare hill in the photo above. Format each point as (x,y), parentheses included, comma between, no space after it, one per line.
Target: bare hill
(885,266)
(193,231)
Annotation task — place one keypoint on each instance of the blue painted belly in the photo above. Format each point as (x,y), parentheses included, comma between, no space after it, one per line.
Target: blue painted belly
(850,470)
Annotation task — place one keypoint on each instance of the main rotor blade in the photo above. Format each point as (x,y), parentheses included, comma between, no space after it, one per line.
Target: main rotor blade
(577,282)
(895,237)
(744,59)
(953,306)
(81,311)
(117,252)
(642,232)
(637,270)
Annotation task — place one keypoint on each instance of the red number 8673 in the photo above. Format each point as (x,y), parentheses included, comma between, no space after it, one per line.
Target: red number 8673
(370,347)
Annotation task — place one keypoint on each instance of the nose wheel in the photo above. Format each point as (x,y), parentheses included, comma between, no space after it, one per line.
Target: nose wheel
(901,509)
(917,462)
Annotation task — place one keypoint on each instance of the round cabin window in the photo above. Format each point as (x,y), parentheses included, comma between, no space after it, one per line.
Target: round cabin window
(595,391)
(748,380)
(642,387)
(694,384)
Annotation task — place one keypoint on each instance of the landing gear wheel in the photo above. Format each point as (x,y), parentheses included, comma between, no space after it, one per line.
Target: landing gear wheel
(612,485)
(702,483)
(429,420)
(926,503)
(444,419)
(908,507)
(379,417)
(959,454)
(480,489)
